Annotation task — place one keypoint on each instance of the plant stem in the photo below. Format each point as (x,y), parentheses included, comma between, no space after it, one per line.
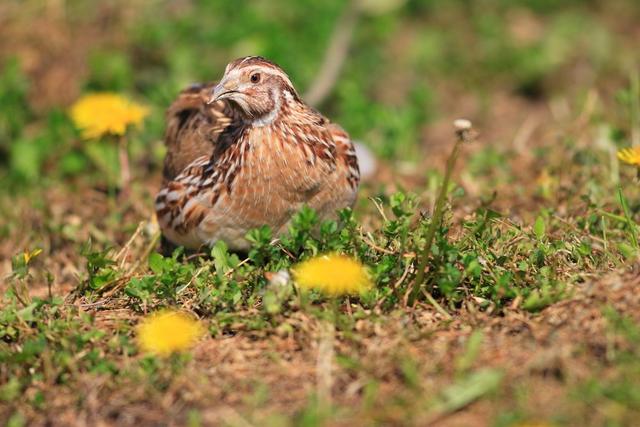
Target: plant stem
(634,91)
(125,171)
(324,363)
(438,211)
(633,232)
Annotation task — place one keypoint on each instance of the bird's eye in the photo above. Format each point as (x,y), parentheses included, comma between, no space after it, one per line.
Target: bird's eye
(255,77)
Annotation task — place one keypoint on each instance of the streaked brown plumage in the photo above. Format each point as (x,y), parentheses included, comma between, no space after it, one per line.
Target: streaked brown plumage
(249,152)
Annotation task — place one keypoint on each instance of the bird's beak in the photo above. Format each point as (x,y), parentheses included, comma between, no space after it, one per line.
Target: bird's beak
(219,92)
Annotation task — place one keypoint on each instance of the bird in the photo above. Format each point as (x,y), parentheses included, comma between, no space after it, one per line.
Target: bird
(245,152)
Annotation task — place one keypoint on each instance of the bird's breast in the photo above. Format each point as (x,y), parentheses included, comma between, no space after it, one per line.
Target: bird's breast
(280,163)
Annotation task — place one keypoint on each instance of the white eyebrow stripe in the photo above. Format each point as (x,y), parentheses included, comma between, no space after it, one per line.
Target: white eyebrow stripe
(263,69)
(267,69)
(275,72)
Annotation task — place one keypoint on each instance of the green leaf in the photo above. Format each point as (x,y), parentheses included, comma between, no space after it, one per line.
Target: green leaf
(474,343)
(139,288)
(627,251)
(25,159)
(10,390)
(468,390)
(156,263)
(539,228)
(26,314)
(73,163)
(222,259)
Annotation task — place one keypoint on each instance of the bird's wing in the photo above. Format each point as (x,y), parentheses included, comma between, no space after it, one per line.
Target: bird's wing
(214,137)
(181,203)
(193,128)
(345,152)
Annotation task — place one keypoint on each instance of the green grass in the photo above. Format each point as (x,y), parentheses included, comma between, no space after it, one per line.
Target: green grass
(538,212)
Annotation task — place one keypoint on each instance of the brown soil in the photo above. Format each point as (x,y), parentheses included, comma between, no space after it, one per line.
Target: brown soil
(259,373)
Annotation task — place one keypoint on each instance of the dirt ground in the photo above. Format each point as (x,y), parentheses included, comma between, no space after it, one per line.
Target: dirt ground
(411,357)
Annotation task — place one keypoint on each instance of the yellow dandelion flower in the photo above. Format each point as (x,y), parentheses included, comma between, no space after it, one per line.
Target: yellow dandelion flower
(106,113)
(333,274)
(630,156)
(168,332)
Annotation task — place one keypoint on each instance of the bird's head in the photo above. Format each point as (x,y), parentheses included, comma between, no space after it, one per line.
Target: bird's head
(257,86)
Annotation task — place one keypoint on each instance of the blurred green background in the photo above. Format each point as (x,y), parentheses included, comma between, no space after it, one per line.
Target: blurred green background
(410,64)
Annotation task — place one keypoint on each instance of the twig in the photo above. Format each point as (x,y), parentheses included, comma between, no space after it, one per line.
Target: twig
(95,304)
(435,304)
(229,272)
(150,247)
(376,247)
(120,282)
(193,278)
(395,286)
(127,245)
(334,57)
(378,206)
